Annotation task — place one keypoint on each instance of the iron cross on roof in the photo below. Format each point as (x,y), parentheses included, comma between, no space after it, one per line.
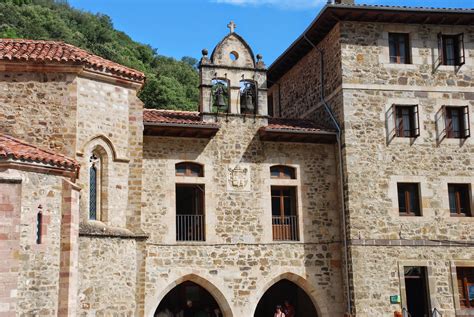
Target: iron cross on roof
(231,26)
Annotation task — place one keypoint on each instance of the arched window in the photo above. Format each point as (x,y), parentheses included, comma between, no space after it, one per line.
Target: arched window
(282,172)
(94,186)
(189,169)
(248,97)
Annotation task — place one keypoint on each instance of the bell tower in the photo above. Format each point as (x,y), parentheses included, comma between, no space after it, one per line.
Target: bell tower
(232,80)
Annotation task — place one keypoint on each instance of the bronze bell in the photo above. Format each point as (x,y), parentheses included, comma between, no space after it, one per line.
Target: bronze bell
(249,102)
(219,100)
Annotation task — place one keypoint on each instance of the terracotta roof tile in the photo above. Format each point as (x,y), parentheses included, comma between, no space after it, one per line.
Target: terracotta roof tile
(154,116)
(11,148)
(60,52)
(174,117)
(301,125)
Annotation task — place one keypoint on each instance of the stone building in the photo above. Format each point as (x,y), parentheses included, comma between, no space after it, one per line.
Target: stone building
(399,83)
(341,183)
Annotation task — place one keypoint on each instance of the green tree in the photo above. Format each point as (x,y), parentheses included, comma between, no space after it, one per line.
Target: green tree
(171,84)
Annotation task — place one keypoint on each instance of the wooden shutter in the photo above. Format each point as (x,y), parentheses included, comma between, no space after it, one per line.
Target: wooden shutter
(466,132)
(390,121)
(416,122)
(462,58)
(441,124)
(461,287)
(440,49)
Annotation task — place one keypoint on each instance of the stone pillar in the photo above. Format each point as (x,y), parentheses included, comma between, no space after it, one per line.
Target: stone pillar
(68,271)
(10,212)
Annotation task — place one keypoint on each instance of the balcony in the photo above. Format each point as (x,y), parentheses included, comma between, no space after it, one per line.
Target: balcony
(190,228)
(285,228)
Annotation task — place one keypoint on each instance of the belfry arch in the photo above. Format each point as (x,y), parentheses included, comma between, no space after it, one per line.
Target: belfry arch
(291,287)
(192,280)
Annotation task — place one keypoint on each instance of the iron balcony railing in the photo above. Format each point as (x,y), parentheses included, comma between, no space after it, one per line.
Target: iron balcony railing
(285,228)
(190,228)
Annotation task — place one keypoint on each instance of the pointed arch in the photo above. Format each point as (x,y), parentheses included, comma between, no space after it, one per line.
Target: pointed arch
(204,283)
(106,143)
(297,280)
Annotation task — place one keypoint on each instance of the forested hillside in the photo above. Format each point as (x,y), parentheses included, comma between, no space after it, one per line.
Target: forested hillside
(171,84)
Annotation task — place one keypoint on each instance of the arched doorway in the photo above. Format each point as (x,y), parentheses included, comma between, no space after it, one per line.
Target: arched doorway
(189,298)
(282,291)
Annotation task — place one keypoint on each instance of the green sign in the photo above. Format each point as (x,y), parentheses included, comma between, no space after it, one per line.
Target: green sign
(395,299)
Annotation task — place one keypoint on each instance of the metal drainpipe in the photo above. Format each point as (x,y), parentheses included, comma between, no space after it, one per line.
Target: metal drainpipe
(341,174)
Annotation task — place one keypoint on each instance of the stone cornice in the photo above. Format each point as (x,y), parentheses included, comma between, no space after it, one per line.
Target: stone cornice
(40,168)
(80,70)
(97,229)
(411,242)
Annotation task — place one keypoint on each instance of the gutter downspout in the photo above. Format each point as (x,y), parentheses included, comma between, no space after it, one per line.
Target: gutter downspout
(341,173)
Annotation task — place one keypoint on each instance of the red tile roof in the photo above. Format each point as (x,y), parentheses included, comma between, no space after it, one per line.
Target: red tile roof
(153,116)
(174,117)
(60,52)
(14,149)
(300,125)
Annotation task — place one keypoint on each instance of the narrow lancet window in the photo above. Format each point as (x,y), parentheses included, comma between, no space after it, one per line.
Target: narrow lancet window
(93,187)
(39,225)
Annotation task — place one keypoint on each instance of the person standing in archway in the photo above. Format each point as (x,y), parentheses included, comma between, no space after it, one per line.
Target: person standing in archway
(288,309)
(189,309)
(279,312)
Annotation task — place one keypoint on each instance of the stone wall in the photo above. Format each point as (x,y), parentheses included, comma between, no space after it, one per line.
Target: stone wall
(103,124)
(107,280)
(375,162)
(378,274)
(298,92)
(110,120)
(37,268)
(239,255)
(39,108)
(75,115)
(10,211)
(367,87)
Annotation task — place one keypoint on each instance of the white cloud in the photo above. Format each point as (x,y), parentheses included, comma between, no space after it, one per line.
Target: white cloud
(286,4)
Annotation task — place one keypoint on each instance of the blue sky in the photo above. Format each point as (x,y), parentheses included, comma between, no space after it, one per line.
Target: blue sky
(183,27)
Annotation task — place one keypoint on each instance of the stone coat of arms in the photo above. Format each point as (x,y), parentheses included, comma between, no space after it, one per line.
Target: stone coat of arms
(238,178)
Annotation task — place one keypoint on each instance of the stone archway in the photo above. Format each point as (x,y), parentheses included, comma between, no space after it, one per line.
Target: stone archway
(207,286)
(287,286)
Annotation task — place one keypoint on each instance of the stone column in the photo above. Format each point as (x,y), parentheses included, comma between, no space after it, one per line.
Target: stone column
(10,211)
(68,271)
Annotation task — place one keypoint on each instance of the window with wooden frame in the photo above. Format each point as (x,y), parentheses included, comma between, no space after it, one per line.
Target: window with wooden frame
(465,277)
(407,121)
(451,49)
(282,172)
(189,169)
(284,215)
(399,48)
(459,200)
(457,122)
(409,199)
